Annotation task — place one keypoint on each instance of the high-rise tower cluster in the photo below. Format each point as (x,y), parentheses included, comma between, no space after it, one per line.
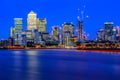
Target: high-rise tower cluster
(109,33)
(36,33)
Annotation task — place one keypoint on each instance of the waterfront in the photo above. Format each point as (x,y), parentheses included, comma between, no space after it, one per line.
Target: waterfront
(58,64)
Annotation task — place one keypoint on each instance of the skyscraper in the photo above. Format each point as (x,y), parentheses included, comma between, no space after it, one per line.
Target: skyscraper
(100,35)
(18,24)
(114,36)
(56,33)
(41,24)
(118,33)
(17,30)
(80,31)
(68,32)
(12,32)
(68,27)
(108,30)
(32,21)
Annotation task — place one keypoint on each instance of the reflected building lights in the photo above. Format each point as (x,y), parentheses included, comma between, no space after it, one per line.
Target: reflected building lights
(33,65)
(17,65)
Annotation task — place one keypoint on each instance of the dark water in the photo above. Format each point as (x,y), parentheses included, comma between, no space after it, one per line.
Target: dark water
(58,65)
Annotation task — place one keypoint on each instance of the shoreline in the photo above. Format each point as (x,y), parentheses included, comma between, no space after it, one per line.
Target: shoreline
(78,49)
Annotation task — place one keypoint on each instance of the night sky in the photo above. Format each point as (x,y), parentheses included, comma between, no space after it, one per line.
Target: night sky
(59,11)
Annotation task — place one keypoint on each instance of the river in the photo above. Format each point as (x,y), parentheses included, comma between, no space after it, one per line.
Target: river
(58,64)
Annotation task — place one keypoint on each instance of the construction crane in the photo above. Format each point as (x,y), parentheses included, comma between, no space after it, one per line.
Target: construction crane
(80,23)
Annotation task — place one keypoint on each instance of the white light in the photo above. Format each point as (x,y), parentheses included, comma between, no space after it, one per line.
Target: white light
(87,16)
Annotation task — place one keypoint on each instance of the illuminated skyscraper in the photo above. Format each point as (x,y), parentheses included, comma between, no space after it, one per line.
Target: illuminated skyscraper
(68,27)
(68,32)
(18,24)
(16,30)
(56,33)
(118,33)
(32,21)
(12,32)
(80,31)
(114,36)
(100,35)
(108,30)
(41,24)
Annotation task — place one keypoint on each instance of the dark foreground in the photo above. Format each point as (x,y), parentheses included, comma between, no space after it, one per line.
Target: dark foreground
(58,65)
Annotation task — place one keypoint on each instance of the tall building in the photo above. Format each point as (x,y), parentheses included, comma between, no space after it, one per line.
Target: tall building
(100,35)
(80,31)
(68,27)
(68,32)
(108,30)
(45,36)
(41,24)
(56,33)
(114,36)
(118,33)
(18,24)
(11,41)
(32,36)
(32,21)
(12,32)
(21,39)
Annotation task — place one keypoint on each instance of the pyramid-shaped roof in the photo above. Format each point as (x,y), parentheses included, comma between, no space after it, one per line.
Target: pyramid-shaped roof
(32,12)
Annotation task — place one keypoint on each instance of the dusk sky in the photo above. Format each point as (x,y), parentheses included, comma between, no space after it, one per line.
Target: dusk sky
(59,11)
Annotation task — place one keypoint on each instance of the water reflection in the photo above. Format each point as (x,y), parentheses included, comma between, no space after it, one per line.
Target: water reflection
(32,65)
(60,65)
(17,65)
(25,66)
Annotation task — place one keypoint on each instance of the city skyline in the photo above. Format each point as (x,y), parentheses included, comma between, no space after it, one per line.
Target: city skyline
(57,15)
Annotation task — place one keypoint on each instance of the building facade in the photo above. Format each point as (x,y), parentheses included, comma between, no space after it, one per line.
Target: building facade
(17,30)
(108,30)
(56,33)
(41,24)
(32,21)
(114,36)
(67,33)
(12,29)
(100,35)
(118,33)
(18,25)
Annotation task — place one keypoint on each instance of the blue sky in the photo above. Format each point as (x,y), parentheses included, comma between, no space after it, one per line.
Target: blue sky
(59,11)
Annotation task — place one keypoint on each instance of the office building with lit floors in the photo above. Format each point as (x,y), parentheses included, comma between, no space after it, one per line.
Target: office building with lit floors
(45,36)
(67,34)
(32,37)
(10,41)
(16,30)
(32,21)
(114,36)
(108,31)
(100,35)
(21,40)
(118,33)
(56,34)
(4,43)
(41,24)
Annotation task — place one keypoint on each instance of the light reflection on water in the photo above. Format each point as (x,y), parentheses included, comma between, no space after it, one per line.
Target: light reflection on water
(32,65)
(59,65)
(17,64)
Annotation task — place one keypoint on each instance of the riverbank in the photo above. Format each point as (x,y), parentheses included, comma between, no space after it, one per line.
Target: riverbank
(78,49)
